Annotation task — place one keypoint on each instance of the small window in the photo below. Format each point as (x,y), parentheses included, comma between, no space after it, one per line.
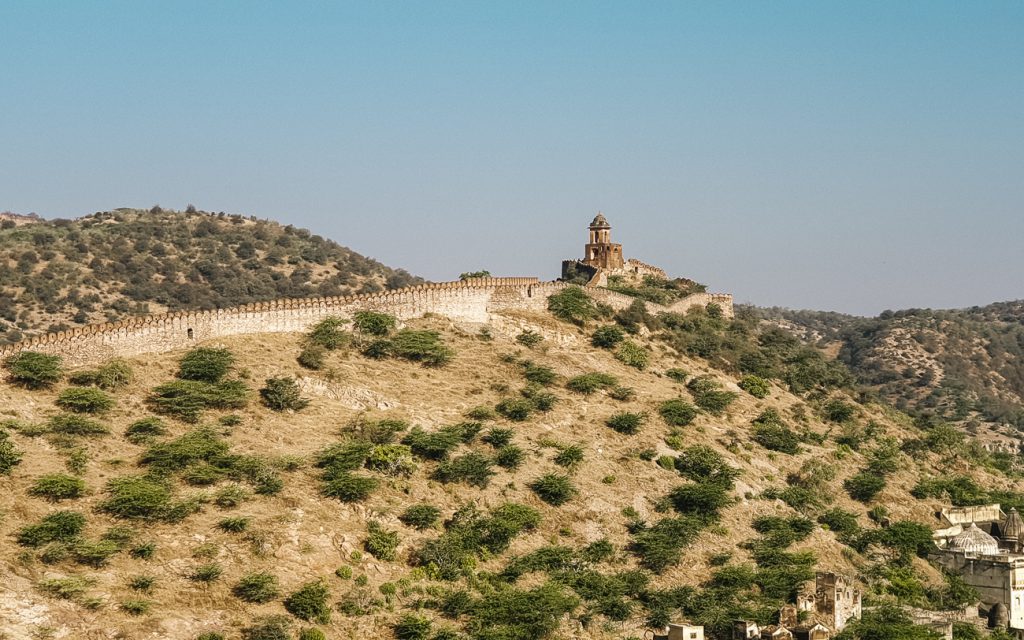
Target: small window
(190,333)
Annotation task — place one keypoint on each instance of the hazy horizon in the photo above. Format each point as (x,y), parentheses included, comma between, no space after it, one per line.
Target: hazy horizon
(819,156)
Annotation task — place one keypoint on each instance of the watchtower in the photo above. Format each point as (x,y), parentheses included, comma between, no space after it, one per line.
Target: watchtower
(600,251)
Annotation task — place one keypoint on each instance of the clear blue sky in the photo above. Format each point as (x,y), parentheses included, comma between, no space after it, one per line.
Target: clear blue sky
(853,156)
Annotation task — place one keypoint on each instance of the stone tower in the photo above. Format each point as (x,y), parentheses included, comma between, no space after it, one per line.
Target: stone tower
(601,252)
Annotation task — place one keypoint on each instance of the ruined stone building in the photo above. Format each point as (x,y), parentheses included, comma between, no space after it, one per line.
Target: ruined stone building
(603,258)
(674,631)
(983,545)
(817,614)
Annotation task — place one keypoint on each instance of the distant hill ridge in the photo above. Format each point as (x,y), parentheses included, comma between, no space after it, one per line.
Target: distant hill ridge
(104,267)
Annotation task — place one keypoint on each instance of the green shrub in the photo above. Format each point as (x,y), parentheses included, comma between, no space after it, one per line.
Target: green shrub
(529,339)
(632,354)
(58,486)
(313,356)
(607,337)
(755,385)
(309,602)
(511,613)
(143,550)
(348,487)
(10,456)
(424,347)
(202,444)
(84,400)
(328,334)
(312,633)
(75,425)
(538,374)
(391,460)
(143,584)
(864,486)
(715,401)
(472,468)
(59,526)
(144,430)
(344,456)
(435,445)
(374,323)
(701,463)
(590,382)
(481,413)
(256,587)
(498,436)
(702,499)
(572,304)
(230,496)
(554,489)
(187,399)
(381,542)
(234,525)
(205,364)
(837,410)
(137,497)
(34,370)
(540,399)
(677,413)
(420,516)
(569,457)
(95,554)
(619,392)
(679,375)
(412,627)
(69,588)
(627,423)
(515,409)
(772,433)
(114,374)
(269,628)
(509,457)
(660,546)
(136,607)
(283,394)
(211,635)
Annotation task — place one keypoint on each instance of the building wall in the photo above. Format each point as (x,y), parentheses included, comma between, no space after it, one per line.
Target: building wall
(996,579)
(472,300)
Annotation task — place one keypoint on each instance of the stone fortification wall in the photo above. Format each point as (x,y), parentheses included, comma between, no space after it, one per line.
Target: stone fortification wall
(472,300)
(639,268)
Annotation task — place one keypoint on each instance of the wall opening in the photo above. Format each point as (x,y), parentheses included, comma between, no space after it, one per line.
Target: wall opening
(190,334)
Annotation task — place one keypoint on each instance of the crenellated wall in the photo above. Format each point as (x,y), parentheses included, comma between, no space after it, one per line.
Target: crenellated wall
(472,300)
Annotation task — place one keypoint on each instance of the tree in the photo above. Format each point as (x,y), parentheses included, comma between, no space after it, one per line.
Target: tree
(34,370)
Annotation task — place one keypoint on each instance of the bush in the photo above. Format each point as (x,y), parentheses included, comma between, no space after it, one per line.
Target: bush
(701,463)
(472,468)
(136,607)
(540,399)
(256,587)
(374,323)
(10,456)
(348,487)
(498,437)
(839,411)
(391,460)
(703,499)
(679,375)
(312,633)
(755,386)
(515,409)
(412,627)
(59,526)
(434,446)
(529,339)
(381,542)
(572,304)
(538,374)
(144,430)
(864,486)
(715,401)
(234,525)
(590,382)
(677,413)
(569,457)
(113,375)
(771,433)
(420,516)
(509,457)
(607,337)
(512,613)
(58,486)
(424,347)
(137,497)
(201,445)
(205,364)
(327,334)
(207,573)
(627,423)
(660,546)
(84,400)
(269,628)
(554,489)
(620,392)
(313,356)
(34,370)
(187,399)
(632,354)
(75,425)
(309,602)
(281,394)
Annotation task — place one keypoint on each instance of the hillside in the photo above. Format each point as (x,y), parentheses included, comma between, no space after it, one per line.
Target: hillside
(111,265)
(451,480)
(962,365)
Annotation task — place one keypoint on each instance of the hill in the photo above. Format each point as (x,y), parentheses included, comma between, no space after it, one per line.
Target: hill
(532,476)
(111,265)
(961,365)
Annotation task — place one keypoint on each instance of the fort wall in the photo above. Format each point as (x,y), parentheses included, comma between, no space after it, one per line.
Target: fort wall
(472,300)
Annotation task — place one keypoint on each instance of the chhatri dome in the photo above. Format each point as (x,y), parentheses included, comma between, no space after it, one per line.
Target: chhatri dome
(973,541)
(600,222)
(1013,526)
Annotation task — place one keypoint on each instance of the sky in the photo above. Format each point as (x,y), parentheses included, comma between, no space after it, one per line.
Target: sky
(848,156)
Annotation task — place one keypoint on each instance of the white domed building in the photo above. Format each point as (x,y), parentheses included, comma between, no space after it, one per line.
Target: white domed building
(973,542)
